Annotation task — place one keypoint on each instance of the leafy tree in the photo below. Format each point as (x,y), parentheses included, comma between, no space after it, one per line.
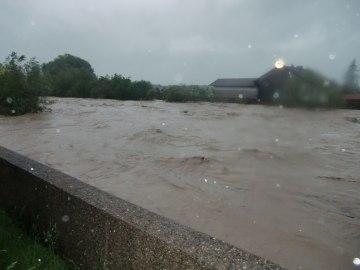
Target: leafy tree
(311,90)
(21,86)
(352,78)
(69,76)
(141,90)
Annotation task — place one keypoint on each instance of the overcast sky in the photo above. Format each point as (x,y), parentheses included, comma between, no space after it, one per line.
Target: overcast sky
(185,41)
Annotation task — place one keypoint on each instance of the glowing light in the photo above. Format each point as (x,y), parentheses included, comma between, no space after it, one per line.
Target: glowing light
(356,261)
(279,63)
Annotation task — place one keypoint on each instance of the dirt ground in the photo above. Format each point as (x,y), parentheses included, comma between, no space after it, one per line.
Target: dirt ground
(281,183)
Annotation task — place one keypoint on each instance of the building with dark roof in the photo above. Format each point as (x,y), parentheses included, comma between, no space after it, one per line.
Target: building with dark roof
(231,90)
(264,89)
(271,84)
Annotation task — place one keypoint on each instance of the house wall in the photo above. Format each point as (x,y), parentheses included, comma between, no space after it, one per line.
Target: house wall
(232,93)
(100,231)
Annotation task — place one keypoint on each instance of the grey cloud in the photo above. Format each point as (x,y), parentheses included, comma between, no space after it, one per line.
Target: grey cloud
(198,41)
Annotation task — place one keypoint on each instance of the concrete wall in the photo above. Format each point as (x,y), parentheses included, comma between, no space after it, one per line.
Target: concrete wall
(99,231)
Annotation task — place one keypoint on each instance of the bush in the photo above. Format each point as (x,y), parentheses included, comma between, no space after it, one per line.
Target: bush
(69,76)
(21,86)
(183,93)
(311,90)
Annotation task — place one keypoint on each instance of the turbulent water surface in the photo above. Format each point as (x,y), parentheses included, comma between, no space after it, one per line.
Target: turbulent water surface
(281,183)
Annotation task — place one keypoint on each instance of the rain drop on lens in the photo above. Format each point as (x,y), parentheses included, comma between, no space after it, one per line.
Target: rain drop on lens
(9,100)
(241,96)
(332,56)
(65,218)
(276,95)
(249,46)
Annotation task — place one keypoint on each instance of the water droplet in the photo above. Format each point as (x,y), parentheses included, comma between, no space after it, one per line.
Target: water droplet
(276,140)
(65,218)
(58,131)
(226,186)
(214,182)
(249,46)
(296,35)
(326,83)
(281,107)
(92,230)
(332,56)
(197,216)
(356,261)
(31,169)
(343,150)
(205,180)
(13,111)
(69,199)
(39,260)
(163,124)
(9,100)
(276,95)
(241,96)
(277,185)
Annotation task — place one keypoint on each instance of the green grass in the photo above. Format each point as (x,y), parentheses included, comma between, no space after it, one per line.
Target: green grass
(18,251)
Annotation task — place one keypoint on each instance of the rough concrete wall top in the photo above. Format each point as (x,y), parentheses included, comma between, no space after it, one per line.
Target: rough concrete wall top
(97,230)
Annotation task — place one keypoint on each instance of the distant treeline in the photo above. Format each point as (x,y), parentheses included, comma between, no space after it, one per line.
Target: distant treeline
(24,84)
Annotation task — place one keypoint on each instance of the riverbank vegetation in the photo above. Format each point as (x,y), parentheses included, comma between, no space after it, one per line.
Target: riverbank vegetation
(20,251)
(24,84)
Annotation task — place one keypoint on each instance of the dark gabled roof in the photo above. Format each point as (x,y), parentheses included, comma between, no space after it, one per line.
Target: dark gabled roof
(235,82)
(276,74)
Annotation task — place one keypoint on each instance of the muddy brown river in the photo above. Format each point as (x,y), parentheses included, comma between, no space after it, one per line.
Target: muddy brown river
(281,183)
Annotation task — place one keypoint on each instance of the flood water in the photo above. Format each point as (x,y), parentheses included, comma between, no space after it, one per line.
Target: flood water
(281,183)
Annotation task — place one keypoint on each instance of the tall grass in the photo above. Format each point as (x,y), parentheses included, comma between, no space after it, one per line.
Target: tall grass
(20,252)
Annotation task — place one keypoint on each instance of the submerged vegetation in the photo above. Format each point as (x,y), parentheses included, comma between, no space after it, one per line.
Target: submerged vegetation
(21,86)
(19,251)
(183,93)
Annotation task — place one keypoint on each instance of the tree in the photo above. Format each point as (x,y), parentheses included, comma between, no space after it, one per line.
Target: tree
(311,90)
(69,76)
(20,86)
(352,78)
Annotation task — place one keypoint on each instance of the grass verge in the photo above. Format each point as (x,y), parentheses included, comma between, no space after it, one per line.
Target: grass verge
(18,251)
